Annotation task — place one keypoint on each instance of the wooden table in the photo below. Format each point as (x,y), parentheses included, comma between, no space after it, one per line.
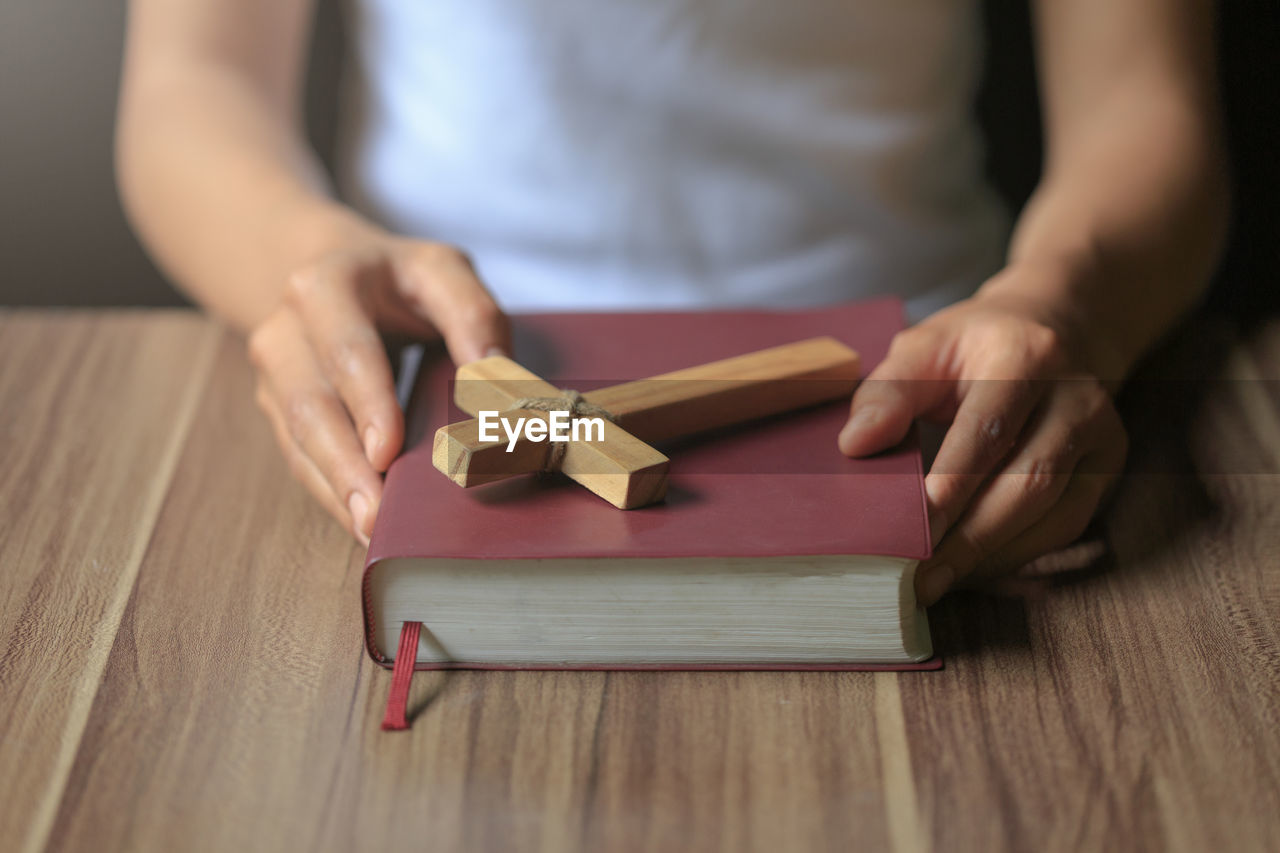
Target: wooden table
(182,666)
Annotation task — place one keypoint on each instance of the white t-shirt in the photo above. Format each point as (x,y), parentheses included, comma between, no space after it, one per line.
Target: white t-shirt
(625,154)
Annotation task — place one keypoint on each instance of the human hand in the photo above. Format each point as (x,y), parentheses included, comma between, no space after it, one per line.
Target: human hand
(324,379)
(1033,440)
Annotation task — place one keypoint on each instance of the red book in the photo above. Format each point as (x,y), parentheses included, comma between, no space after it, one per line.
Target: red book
(771,551)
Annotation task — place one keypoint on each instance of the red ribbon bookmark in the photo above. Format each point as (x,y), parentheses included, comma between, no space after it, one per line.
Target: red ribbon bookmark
(401,675)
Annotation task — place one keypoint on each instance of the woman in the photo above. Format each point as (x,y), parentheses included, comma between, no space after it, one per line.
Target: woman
(644,153)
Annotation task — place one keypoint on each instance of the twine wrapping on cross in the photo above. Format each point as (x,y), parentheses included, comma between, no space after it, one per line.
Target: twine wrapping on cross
(570,401)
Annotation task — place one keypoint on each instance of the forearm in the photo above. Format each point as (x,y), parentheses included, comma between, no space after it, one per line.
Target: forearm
(221,189)
(213,168)
(1124,232)
(1127,226)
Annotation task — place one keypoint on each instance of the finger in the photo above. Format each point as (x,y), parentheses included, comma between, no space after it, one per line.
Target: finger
(1026,487)
(302,468)
(985,429)
(340,328)
(318,422)
(1094,476)
(907,383)
(447,289)
(1062,525)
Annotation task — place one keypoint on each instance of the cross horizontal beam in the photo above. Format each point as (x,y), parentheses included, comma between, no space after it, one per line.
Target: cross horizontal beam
(623,468)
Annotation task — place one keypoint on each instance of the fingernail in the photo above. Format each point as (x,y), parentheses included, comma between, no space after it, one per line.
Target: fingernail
(492,351)
(934,583)
(933,487)
(372,441)
(359,506)
(862,419)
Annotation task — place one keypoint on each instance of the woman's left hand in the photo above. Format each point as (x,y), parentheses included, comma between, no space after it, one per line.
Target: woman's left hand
(1033,441)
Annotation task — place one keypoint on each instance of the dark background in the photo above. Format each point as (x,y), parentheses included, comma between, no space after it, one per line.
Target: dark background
(65,242)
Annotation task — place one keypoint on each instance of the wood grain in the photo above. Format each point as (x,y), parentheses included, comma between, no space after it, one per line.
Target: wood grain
(183,666)
(93,413)
(733,390)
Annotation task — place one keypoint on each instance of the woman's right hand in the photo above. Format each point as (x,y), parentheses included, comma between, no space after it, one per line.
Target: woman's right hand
(324,379)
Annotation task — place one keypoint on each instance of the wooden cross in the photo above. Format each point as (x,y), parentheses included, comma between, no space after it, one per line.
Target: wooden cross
(623,468)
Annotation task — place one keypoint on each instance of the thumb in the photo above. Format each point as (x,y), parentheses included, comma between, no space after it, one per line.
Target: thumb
(452,297)
(902,387)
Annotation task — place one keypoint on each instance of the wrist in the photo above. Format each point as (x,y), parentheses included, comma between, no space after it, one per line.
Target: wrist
(296,230)
(312,228)
(1066,293)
